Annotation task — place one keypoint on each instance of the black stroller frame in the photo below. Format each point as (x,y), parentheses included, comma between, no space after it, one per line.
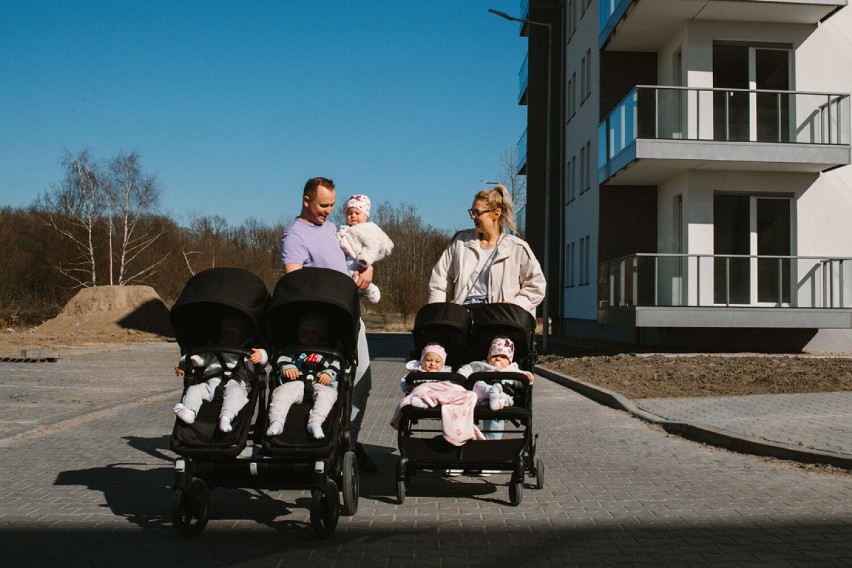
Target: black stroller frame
(292,459)
(466,333)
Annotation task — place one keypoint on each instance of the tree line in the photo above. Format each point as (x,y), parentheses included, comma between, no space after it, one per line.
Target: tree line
(100,225)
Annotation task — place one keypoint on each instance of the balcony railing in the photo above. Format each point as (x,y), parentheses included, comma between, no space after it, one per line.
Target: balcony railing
(522,153)
(523,79)
(694,280)
(730,115)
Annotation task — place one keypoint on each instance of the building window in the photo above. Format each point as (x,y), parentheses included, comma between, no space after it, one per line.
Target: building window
(585,168)
(574,177)
(587,72)
(569,104)
(585,261)
(569,182)
(570,251)
(583,79)
(573,93)
(572,16)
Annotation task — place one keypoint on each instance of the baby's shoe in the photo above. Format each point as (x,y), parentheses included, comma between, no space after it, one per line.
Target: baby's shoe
(275,428)
(184,413)
(497,399)
(225,424)
(373,294)
(315,430)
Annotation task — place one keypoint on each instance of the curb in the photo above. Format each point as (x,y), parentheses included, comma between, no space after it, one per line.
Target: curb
(704,434)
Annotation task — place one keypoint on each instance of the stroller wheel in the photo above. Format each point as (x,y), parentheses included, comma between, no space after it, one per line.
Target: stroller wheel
(350,483)
(539,473)
(325,510)
(400,492)
(516,492)
(191,511)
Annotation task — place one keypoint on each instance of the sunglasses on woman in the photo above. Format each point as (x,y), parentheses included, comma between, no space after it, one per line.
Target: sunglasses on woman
(475,213)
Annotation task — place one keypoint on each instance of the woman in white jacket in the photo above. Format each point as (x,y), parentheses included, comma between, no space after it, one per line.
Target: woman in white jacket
(487,264)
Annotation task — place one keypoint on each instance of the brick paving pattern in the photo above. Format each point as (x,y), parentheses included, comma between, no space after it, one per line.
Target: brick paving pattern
(94,489)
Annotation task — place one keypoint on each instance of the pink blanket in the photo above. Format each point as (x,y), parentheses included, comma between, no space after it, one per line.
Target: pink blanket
(456,409)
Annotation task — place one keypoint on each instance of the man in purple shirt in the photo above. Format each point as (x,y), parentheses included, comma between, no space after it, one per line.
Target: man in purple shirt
(310,241)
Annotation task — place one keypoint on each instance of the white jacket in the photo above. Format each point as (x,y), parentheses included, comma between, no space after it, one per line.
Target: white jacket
(515,275)
(365,242)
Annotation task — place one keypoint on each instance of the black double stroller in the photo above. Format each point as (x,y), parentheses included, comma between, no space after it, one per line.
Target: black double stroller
(246,456)
(466,333)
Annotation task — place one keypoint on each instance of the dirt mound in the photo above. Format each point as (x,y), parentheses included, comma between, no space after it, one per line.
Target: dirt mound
(101,314)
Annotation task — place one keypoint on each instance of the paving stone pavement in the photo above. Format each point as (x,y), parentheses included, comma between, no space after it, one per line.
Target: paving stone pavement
(93,489)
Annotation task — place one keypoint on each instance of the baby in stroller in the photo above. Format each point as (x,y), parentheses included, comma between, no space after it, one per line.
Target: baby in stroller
(489,344)
(433,359)
(499,360)
(319,373)
(213,366)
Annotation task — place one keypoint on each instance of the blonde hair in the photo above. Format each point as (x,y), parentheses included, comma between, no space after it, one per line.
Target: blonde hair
(498,197)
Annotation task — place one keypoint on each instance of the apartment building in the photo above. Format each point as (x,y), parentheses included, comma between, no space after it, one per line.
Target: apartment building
(699,189)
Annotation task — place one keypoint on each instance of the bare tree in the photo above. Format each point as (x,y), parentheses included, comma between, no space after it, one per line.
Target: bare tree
(404,275)
(74,209)
(130,194)
(508,176)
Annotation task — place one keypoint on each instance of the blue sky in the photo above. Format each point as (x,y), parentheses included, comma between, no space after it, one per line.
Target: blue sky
(233,105)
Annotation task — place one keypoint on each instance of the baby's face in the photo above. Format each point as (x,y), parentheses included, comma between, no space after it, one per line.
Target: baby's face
(310,336)
(431,362)
(232,334)
(355,216)
(499,361)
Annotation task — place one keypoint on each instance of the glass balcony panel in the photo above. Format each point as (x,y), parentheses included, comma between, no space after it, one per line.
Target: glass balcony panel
(676,280)
(732,115)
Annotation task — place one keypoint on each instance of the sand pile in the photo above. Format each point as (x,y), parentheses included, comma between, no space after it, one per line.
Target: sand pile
(101,314)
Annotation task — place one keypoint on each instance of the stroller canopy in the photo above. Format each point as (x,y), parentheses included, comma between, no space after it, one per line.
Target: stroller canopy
(197,314)
(447,324)
(314,289)
(511,320)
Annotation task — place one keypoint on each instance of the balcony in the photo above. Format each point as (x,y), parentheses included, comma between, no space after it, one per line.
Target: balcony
(656,132)
(523,81)
(522,154)
(630,25)
(728,291)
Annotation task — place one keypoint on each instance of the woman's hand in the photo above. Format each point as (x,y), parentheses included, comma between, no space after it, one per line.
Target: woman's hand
(179,370)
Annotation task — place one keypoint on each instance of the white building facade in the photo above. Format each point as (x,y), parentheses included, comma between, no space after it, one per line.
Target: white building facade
(702,152)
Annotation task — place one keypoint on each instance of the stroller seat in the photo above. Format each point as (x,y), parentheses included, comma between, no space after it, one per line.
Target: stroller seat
(196,317)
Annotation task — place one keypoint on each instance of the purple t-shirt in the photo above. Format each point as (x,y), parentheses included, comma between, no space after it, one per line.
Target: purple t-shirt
(307,244)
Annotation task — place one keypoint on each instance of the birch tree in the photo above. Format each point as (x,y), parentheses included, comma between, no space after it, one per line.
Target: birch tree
(130,194)
(74,209)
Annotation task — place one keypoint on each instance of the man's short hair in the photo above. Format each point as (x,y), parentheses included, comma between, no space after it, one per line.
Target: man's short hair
(313,183)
